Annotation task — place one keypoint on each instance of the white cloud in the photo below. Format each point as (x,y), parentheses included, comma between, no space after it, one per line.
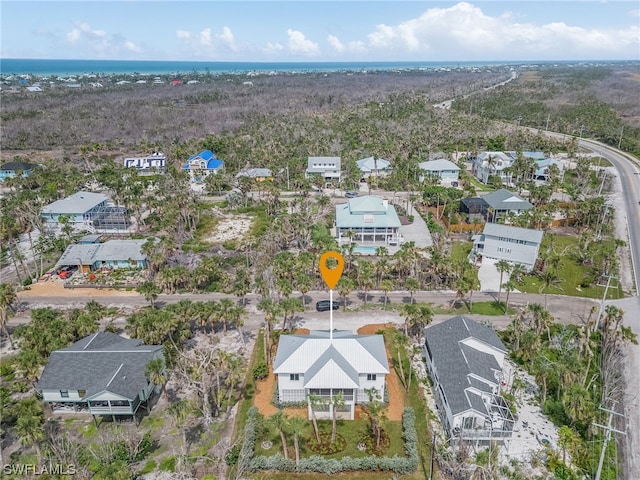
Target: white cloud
(463,31)
(206,43)
(336,44)
(95,43)
(298,44)
(273,48)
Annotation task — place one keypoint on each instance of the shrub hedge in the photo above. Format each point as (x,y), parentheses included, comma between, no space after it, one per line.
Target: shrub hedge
(316,463)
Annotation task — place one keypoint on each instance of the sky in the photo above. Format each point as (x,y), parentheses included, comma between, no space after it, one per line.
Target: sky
(321,31)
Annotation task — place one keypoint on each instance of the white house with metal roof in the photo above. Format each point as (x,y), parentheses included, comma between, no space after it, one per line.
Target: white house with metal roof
(444,170)
(156,162)
(489,164)
(323,366)
(367,219)
(80,208)
(102,374)
(374,167)
(504,242)
(257,174)
(465,361)
(329,168)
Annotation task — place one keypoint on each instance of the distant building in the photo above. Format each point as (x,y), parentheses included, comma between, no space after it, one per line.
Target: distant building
(102,374)
(156,162)
(504,242)
(492,164)
(86,211)
(328,168)
(374,167)
(444,170)
(202,164)
(465,362)
(367,219)
(11,169)
(258,174)
(314,364)
(501,203)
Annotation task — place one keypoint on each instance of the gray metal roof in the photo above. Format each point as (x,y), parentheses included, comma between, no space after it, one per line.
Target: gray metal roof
(370,164)
(255,173)
(448,354)
(322,360)
(516,233)
(121,250)
(87,254)
(79,202)
(438,165)
(503,199)
(368,212)
(100,362)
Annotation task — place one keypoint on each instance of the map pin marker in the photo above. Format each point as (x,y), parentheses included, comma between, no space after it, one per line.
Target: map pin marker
(331,275)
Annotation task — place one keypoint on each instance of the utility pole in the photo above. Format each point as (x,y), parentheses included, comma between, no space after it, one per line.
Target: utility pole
(433,448)
(606,289)
(607,437)
(548,118)
(620,141)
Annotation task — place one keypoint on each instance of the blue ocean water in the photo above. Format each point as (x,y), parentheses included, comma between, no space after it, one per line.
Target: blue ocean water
(16,66)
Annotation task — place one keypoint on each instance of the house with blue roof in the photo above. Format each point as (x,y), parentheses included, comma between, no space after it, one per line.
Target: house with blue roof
(324,365)
(367,219)
(465,361)
(202,164)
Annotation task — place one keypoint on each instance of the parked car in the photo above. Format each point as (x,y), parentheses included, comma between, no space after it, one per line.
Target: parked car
(351,194)
(325,305)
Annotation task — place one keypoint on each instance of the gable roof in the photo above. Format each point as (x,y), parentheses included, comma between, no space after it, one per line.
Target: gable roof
(516,233)
(207,156)
(329,363)
(100,362)
(503,199)
(88,253)
(13,166)
(79,202)
(438,165)
(255,173)
(371,164)
(366,211)
(457,361)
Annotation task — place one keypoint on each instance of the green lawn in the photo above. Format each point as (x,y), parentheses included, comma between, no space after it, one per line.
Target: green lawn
(571,274)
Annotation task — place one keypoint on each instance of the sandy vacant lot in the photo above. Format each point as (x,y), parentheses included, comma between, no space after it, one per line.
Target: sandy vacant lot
(55,288)
(230,227)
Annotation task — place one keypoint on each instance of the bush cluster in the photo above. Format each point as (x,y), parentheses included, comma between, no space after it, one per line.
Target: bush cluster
(316,463)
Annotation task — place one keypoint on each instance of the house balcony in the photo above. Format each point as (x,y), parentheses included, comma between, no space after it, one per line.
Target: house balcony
(114,407)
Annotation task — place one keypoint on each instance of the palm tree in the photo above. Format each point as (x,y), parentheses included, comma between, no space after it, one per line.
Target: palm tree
(337,402)
(315,401)
(150,291)
(281,422)
(297,425)
(375,410)
(7,298)
(180,412)
(271,312)
(156,372)
(365,277)
(502,266)
(386,286)
(509,286)
(345,287)
(412,284)
(303,282)
(549,279)
(518,271)
(30,431)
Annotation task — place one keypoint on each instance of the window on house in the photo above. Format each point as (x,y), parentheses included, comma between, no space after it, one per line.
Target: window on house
(64,393)
(371,377)
(468,423)
(82,393)
(294,377)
